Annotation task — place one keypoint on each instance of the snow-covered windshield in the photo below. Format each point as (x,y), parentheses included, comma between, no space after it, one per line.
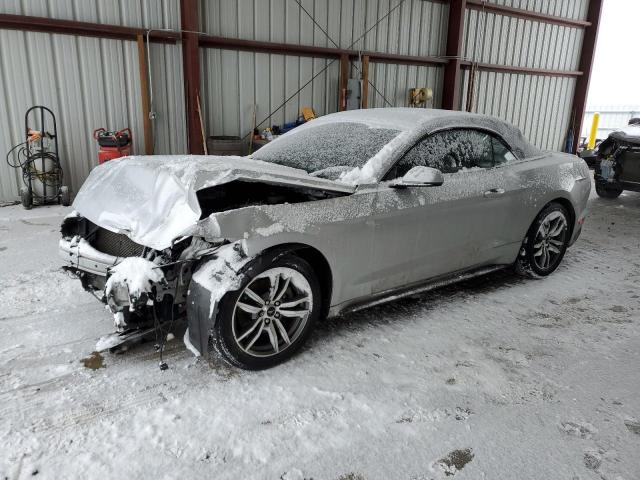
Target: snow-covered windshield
(327,149)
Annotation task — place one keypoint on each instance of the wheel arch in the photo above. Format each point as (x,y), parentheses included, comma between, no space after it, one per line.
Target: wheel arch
(320,264)
(566,203)
(202,309)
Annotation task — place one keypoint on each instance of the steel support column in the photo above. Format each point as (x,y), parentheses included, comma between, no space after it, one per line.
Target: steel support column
(364,103)
(144,94)
(455,30)
(586,63)
(191,72)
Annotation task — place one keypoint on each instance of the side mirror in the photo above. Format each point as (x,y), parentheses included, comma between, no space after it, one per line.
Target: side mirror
(420,177)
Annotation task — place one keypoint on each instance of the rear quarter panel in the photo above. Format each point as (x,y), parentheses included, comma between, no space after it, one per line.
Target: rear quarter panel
(551,176)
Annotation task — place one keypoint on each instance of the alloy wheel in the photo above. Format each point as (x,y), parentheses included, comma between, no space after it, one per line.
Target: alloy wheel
(550,240)
(271,312)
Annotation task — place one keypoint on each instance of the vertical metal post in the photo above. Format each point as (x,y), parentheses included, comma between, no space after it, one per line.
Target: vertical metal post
(144,93)
(452,70)
(191,71)
(365,82)
(586,63)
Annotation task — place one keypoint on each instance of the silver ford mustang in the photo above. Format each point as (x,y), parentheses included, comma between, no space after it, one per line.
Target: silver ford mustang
(349,210)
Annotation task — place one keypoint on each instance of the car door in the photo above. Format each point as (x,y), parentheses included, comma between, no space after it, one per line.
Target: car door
(426,232)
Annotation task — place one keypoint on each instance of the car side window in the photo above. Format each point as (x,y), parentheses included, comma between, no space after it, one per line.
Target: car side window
(449,151)
(501,153)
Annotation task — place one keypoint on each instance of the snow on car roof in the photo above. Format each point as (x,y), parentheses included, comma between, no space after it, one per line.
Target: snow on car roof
(406,119)
(392,118)
(412,124)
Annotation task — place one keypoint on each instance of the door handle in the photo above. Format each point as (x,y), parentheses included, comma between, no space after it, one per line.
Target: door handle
(494,192)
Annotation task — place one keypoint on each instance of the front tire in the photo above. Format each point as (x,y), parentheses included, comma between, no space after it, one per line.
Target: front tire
(546,242)
(269,318)
(607,191)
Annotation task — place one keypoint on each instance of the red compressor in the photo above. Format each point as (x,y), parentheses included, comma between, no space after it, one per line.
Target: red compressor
(112,145)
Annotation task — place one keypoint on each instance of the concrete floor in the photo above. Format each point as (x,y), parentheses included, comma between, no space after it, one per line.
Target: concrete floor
(504,377)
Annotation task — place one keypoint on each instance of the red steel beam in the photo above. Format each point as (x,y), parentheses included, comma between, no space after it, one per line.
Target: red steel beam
(490,67)
(455,31)
(587,55)
(191,72)
(85,29)
(380,57)
(210,41)
(525,14)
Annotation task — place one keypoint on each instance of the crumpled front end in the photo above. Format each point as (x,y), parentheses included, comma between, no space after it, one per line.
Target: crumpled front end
(144,226)
(140,285)
(135,282)
(150,205)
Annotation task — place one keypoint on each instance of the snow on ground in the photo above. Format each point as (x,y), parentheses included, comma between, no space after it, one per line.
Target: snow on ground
(497,378)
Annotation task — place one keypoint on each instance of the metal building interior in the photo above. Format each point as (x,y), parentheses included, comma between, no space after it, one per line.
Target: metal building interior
(175,71)
(324,311)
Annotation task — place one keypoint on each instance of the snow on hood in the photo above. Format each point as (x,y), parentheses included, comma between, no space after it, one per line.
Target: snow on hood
(152,199)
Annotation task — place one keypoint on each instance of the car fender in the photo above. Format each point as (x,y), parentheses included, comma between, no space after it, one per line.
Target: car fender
(212,279)
(320,225)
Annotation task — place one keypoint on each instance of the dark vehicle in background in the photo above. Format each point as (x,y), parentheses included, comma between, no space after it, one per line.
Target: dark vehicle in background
(589,155)
(617,166)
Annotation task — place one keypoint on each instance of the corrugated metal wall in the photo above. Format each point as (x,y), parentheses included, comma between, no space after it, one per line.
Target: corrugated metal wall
(232,82)
(572,9)
(94,82)
(539,105)
(417,27)
(87,82)
(394,81)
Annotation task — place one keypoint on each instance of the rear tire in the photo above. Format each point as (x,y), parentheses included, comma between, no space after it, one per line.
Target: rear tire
(546,242)
(607,191)
(267,314)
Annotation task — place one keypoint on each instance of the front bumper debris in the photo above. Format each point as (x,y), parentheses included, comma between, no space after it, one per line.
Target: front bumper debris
(79,255)
(135,281)
(130,282)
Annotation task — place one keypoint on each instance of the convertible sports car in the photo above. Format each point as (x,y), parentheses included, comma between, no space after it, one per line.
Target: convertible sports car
(349,210)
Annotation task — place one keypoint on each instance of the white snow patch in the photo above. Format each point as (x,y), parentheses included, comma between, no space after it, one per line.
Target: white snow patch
(220,275)
(118,320)
(189,345)
(270,230)
(108,341)
(137,274)
(369,171)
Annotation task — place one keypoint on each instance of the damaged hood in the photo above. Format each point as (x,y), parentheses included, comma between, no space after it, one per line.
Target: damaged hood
(152,199)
